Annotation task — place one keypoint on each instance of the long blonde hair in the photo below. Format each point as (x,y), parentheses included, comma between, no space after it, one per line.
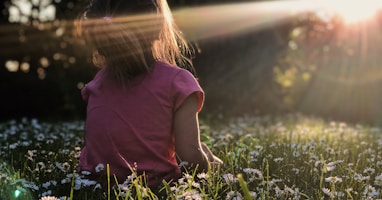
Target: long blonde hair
(135,38)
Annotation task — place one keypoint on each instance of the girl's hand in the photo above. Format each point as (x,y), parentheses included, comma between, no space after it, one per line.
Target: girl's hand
(214,160)
(216,163)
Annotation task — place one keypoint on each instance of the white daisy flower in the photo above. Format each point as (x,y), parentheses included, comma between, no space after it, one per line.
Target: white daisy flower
(333,179)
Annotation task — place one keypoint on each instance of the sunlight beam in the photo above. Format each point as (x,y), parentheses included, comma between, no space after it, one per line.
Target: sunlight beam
(218,20)
(353,11)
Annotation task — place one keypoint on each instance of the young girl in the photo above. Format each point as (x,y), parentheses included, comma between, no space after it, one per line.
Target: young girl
(142,110)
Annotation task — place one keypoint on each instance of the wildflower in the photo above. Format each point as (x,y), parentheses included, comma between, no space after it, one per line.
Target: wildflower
(278,191)
(68,178)
(329,168)
(369,170)
(333,164)
(99,167)
(188,176)
(31,154)
(278,160)
(13,146)
(40,165)
(35,124)
(77,184)
(296,154)
(234,195)
(333,179)
(183,164)
(328,192)
(297,194)
(40,137)
(346,151)
(143,191)
(294,146)
(339,194)
(254,153)
(202,175)
(360,178)
(31,186)
(181,181)
(26,143)
(330,150)
(229,178)
(85,173)
(174,189)
(370,191)
(46,185)
(125,186)
(195,184)
(13,130)
(59,166)
(378,180)
(97,186)
(296,170)
(49,198)
(259,148)
(253,194)
(47,193)
(276,180)
(256,174)
(314,157)
(64,166)
(87,182)
(273,144)
(288,190)
(190,195)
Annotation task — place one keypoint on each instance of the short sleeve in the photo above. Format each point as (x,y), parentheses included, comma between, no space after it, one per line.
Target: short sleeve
(184,84)
(84,93)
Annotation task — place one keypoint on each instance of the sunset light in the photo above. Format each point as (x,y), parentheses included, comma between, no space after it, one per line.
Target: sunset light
(352,11)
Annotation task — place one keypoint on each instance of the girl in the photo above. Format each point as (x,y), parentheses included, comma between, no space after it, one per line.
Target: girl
(142,110)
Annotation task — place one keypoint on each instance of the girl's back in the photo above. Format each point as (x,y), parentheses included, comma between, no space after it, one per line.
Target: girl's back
(131,125)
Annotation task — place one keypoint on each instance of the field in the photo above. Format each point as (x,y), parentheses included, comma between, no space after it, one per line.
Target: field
(286,157)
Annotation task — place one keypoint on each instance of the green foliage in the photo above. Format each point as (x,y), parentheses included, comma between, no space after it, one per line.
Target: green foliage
(331,68)
(289,157)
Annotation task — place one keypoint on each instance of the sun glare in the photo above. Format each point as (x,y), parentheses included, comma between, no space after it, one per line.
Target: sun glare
(352,11)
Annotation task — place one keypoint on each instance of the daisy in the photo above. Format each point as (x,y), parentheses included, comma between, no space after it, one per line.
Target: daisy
(369,170)
(49,198)
(328,192)
(99,167)
(234,195)
(370,191)
(378,180)
(229,178)
(202,175)
(333,179)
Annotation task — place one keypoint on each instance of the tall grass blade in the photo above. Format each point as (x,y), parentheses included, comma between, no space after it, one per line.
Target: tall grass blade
(244,187)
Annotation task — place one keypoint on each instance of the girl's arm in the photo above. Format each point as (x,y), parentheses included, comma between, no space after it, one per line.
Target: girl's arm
(187,137)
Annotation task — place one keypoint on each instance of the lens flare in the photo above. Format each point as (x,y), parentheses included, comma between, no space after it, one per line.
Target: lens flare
(352,11)
(17,193)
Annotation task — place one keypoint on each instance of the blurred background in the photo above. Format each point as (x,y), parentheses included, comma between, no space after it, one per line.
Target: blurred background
(319,58)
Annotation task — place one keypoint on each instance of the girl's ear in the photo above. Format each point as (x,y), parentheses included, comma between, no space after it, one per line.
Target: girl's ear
(98,59)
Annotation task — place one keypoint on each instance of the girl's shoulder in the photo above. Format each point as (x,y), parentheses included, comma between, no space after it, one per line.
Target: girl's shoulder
(168,70)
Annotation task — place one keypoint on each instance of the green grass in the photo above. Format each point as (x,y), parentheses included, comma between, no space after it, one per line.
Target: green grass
(289,157)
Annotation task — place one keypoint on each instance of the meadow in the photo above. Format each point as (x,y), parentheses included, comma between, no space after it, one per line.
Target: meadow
(283,157)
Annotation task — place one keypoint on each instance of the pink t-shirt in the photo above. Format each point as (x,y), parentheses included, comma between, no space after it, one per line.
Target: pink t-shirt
(132,125)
